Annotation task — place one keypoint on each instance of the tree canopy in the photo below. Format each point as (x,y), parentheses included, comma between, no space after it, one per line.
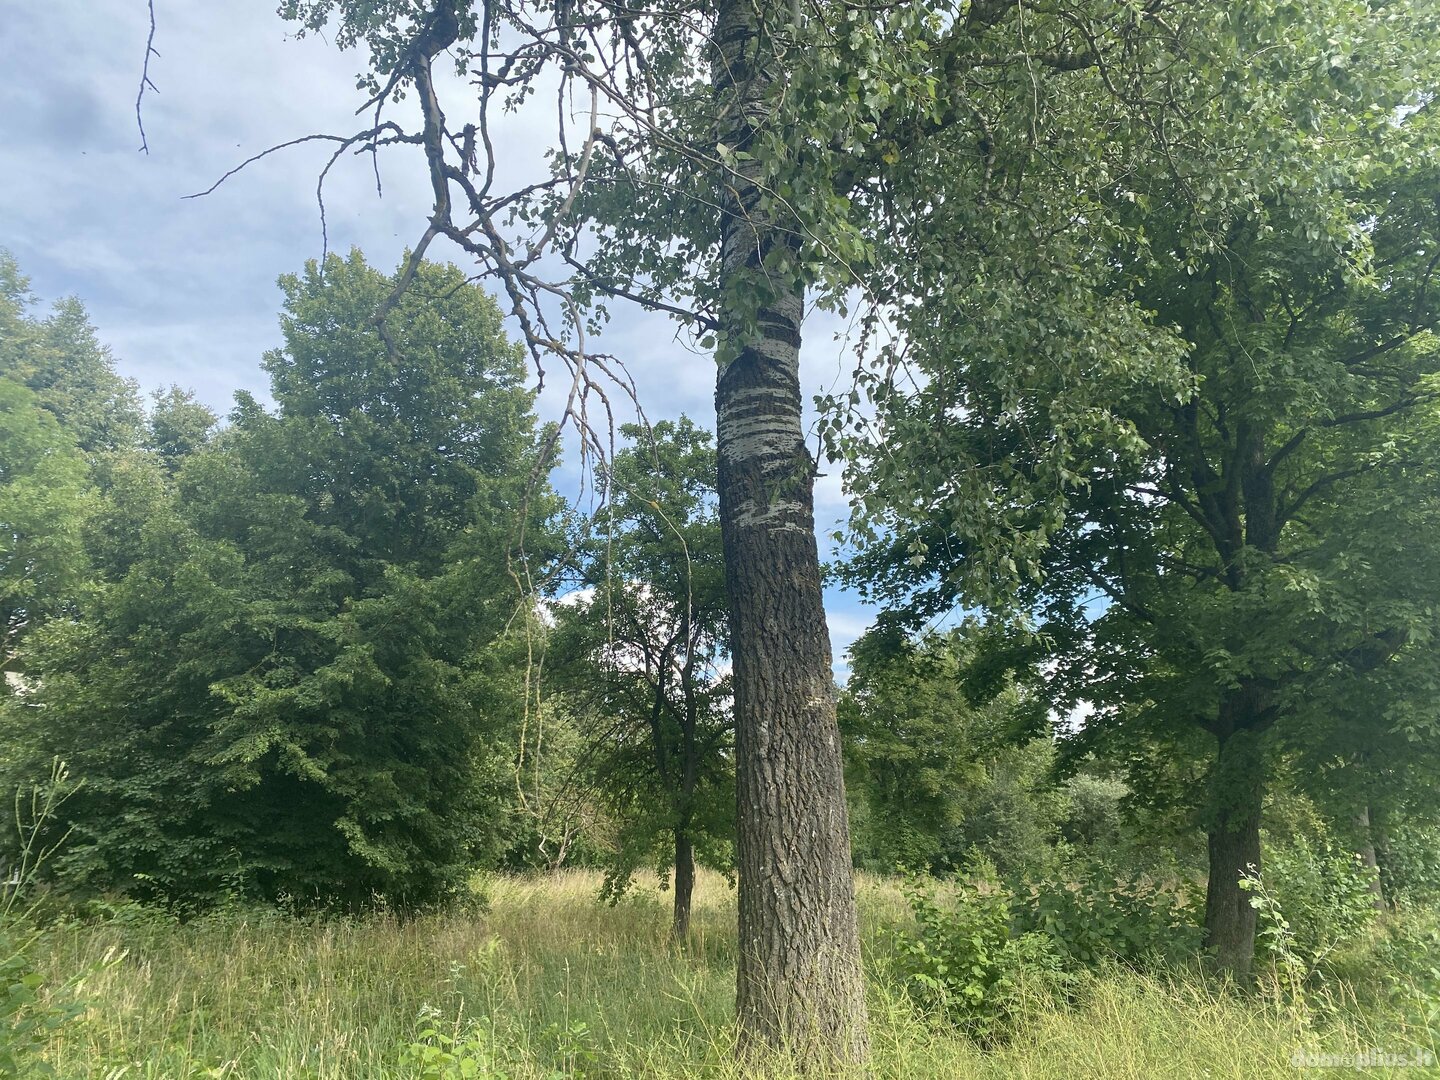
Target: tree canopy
(1220,541)
(288,681)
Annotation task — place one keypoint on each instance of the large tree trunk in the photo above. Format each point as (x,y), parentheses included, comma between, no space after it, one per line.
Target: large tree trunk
(800,989)
(684,882)
(1237,795)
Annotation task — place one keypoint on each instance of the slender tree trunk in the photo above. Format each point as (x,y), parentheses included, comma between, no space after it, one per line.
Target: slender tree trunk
(684,883)
(799,986)
(1238,793)
(1380,837)
(689,777)
(1365,848)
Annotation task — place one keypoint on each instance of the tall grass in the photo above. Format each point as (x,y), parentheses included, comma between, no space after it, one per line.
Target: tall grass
(541,980)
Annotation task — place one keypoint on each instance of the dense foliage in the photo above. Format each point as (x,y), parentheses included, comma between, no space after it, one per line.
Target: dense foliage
(290,674)
(1207,472)
(1148,386)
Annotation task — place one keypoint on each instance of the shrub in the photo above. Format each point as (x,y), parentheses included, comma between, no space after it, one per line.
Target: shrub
(1320,892)
(1094,911)
(1395,972)
(1009,814)
(963,962)
(476,1051)
(1408,960)
(1412,865)
(435,1054)
(1093,809)
(976,945)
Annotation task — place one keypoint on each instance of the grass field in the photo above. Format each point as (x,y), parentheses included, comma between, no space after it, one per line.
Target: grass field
(541,980)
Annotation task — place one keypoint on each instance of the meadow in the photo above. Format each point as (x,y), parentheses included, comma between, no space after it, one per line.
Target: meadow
(536,978)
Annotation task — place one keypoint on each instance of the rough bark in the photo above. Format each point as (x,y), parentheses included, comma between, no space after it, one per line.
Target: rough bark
(1238,795)
(684,883)
(800,989)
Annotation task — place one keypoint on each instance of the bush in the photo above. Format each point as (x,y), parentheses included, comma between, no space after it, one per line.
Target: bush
(1094,911)
(976,945)
(964,963)
(1093,810)
(1317,897)
(1412,866)
(1408,960)
(476,1051)
(1009,814)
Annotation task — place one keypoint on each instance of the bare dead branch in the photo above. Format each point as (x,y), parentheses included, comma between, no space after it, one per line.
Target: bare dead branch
(345,141)
(145,83)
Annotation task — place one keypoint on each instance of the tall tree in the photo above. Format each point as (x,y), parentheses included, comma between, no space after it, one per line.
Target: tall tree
(62,361)
(735,161)
(45,495)
(799,976)
(44,503)
(1218,553)
(1364,749)
(178,425)
(295,680)
(799,981)
(638,650)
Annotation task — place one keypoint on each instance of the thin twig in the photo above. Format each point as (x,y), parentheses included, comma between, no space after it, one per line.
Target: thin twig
(145,83)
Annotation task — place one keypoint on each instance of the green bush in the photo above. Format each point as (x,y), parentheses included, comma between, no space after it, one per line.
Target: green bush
(476,1051)
(1094,911)
(1093,811)
(1322,895)
(974,946)
(1009,813)
(1408,960)
(1412,865)
(435,1054)
(964,963)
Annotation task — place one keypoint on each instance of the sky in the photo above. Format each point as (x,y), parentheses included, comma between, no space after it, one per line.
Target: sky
(183,290)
